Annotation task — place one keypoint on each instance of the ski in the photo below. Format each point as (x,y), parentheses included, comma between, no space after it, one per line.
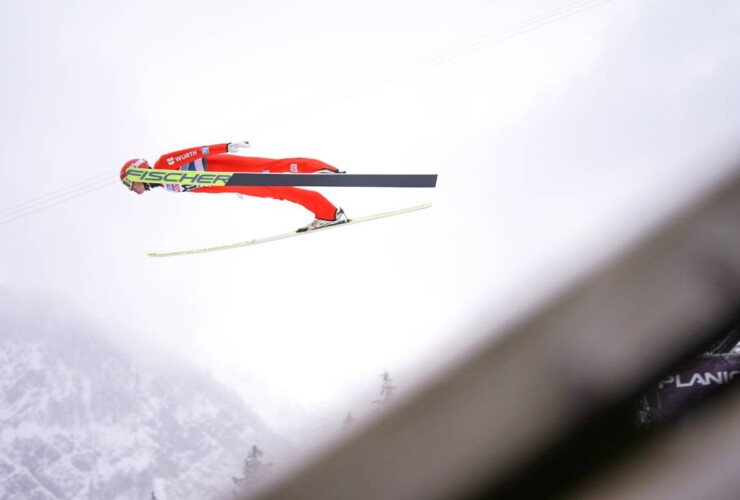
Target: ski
(291,234)
(335,180)
(205,178)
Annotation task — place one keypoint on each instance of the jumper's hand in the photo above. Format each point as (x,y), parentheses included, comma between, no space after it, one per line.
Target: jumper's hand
(234,147)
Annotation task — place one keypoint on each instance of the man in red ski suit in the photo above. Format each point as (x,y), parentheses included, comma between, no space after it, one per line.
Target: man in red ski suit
(216,158)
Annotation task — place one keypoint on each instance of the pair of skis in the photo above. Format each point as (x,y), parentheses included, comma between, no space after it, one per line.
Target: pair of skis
(266,179)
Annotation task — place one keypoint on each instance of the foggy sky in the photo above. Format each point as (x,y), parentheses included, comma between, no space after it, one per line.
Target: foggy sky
(552,148)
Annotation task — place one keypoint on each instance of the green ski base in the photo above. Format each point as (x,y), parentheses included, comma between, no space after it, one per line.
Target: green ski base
(291,234)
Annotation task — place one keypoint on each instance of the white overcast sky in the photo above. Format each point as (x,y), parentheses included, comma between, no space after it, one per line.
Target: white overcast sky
(552,146)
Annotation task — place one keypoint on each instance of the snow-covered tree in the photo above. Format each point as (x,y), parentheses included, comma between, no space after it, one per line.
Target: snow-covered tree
(349,420)
(387,390)
(253,470)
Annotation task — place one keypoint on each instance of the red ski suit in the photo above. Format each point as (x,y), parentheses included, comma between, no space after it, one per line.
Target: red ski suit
(215,158)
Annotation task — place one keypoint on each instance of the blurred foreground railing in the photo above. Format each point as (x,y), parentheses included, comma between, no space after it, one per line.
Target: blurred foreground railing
(548,408)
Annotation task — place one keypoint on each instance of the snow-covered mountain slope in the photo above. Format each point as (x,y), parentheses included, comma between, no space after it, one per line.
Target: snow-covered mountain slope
(80,420)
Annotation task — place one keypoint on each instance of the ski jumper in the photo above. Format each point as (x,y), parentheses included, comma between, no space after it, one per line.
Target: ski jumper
(215,158)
